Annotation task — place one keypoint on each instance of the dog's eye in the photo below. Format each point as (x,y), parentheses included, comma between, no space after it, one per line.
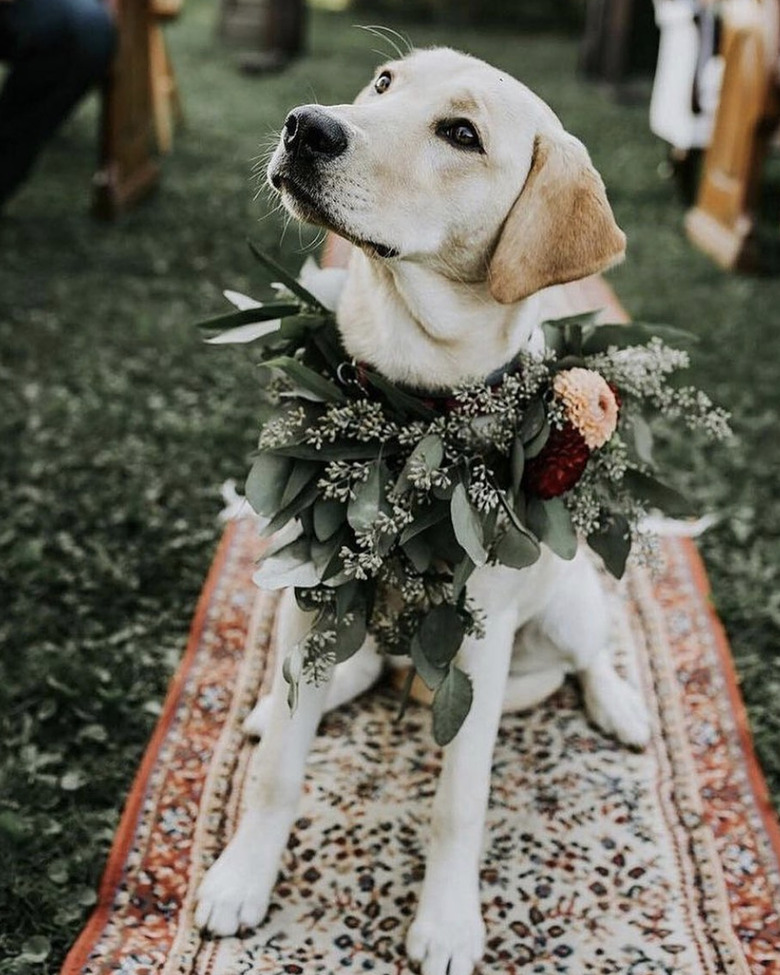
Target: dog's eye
(382,83)
(460,133)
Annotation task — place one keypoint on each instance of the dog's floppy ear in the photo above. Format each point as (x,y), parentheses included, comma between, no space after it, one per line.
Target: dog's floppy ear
(561,227)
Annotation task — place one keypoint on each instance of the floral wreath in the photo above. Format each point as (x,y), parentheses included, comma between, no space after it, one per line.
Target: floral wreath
(396,490)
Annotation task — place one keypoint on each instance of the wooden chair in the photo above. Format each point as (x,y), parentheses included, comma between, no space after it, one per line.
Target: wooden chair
(722,222)
(140,99)
(127,170)
(166,102)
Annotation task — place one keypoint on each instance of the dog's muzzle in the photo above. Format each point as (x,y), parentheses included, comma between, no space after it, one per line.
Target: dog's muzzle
(311,134)
(311,137)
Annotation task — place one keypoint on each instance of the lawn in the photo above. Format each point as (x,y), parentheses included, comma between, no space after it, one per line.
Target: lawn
(117,427)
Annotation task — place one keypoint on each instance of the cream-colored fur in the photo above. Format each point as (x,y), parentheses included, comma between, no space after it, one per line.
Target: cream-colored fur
(453,245)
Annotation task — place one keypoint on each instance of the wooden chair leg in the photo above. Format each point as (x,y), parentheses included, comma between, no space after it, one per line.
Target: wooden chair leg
(722,221)
(166,103)
(127,169)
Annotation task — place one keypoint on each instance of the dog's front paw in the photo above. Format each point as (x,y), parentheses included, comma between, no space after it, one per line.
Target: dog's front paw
(235,892)
(446,943)
(618,709)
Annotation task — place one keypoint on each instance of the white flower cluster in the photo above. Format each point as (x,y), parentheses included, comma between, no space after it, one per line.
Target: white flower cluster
(696,410)
(481,489)
(282,429)
(361,420)
(341,476)
(641,370)
(319,656)
(487,416)
(384,528)
(425,480)
(585,504)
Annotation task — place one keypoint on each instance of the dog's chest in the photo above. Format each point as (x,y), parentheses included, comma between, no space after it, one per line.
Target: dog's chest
(418,328)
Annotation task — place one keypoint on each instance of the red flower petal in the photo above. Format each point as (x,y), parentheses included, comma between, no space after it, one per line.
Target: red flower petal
(559,465)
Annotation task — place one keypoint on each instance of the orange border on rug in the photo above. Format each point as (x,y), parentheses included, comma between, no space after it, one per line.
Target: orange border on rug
(755,774)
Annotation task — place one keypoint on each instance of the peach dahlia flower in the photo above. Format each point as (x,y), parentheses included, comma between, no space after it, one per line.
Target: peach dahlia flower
(589,404)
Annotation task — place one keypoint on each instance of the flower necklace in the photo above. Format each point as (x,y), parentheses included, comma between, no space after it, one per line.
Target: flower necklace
(394,491)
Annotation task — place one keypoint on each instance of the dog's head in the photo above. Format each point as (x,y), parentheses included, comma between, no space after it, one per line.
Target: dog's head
(447,161)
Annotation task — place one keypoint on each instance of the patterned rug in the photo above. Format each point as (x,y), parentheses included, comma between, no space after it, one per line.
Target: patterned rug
(597,859)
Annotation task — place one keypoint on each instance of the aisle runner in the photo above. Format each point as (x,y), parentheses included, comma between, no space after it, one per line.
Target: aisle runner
(597,860)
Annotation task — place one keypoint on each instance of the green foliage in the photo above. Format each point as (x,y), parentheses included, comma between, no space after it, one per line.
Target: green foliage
(116,429)
(370,483)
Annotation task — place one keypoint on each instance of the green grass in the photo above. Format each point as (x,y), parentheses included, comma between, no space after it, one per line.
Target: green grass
(117,427)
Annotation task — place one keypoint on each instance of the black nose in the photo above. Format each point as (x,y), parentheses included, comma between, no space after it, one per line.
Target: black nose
(311,131)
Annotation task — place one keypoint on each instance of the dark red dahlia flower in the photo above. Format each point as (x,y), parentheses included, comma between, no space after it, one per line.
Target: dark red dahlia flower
(559,465)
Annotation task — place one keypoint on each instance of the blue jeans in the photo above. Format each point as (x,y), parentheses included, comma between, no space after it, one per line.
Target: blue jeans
(57,50)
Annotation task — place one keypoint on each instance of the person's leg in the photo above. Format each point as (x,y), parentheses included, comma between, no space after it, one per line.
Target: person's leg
(57,50)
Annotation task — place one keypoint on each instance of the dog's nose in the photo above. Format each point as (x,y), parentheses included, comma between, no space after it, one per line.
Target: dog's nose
(311,131)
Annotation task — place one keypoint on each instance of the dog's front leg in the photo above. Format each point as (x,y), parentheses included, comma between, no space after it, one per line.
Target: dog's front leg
(236,890)
(448,933)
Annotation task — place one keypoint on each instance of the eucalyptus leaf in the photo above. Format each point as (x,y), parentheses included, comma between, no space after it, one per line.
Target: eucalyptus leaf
(460,576)
(401,401)
(250,316)
(364,508)
(241,301)
(443,542)
(301,501)
(613,543)
(266,483)
(335,574)
(489,521)
(467,526)
(451,704)
(347,595)
(322,553)
(430,674)
(430,452)
(517,549)
(419,552)
(514,516)
(243,334)
(534,417)
(431,514)
(308,378)
(643,439)
(657,495)
(296,327)
(440,634)
(302,473)
(329,516)
(289,566)
(536,517)
(557,531)
(536,445)
(350,636)
(517,465)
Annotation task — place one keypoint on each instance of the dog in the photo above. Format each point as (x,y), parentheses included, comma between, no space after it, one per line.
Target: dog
(464,198)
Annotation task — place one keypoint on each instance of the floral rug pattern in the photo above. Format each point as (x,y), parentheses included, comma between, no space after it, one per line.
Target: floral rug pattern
(597,859)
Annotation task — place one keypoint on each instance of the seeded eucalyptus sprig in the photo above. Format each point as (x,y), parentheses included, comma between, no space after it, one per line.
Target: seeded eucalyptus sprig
(395,495)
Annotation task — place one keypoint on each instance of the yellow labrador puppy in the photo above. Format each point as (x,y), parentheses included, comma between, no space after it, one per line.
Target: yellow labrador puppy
(465,198)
